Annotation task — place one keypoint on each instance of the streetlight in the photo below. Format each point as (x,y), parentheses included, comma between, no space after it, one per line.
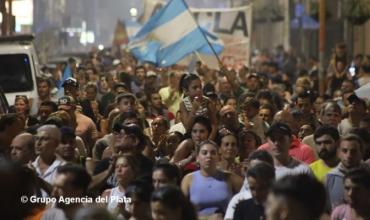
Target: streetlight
(133,12)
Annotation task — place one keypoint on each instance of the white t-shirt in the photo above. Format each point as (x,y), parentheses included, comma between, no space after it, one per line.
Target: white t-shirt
(53,214)
(50,173)
(280,172)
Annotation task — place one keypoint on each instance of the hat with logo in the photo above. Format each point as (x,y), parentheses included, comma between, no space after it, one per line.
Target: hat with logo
(67,100)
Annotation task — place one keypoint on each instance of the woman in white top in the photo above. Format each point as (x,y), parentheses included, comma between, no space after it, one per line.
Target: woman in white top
(126,169)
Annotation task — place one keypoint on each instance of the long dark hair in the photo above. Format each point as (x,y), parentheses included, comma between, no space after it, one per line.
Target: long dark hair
(185,81)
(200,120)
(173,198)
(170,171)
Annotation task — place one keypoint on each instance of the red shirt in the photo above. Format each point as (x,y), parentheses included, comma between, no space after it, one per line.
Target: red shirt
(298,151)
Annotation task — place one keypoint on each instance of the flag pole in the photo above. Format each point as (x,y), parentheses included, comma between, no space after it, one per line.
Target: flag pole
(205,37)
(198,56)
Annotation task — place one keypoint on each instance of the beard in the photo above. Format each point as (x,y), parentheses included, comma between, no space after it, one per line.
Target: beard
(325,154)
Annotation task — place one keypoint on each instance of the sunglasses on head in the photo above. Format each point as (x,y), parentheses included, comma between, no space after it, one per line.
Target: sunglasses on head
(21,96)
(24,97)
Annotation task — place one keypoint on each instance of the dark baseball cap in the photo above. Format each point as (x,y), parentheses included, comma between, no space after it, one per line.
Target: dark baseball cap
(210,91)
(70,81)
(125,95)
(279,127)
(120,84)
(67,132)
(131,129)
(354,98)
(211,95)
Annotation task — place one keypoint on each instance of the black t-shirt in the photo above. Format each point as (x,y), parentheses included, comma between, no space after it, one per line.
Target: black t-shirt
(336,82)
(248,209)
(87,109)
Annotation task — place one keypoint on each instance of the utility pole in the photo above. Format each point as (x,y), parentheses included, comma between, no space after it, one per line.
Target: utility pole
(322,36)
(7,17)
(286,24)
(10,18)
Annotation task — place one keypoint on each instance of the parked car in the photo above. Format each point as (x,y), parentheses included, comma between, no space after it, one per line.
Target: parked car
(19,67)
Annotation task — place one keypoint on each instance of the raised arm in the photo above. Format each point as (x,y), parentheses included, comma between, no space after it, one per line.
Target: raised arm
(231,78)
(212,116)
(182,152)
(187,118)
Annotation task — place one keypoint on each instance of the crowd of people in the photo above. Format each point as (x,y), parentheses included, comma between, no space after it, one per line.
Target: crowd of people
(124,140)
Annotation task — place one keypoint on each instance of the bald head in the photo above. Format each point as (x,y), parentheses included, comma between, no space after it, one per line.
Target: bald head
(22,148)
(24,137)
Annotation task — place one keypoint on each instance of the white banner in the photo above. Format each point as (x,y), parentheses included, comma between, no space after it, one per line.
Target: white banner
(232,25)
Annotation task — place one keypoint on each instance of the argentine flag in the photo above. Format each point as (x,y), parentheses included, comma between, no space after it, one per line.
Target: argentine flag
(170,35)
(217,44)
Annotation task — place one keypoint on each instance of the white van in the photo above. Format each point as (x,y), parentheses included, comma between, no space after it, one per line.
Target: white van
(18,67)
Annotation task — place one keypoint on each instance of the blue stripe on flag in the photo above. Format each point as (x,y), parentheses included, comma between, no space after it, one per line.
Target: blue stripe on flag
(147,52)
(206,49)
(175,52)
(164,15)
(66,74)
(217,45)
(166,51)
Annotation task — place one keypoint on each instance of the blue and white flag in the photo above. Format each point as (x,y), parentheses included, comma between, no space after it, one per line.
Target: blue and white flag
(170,35)
(216,43)
(66,74)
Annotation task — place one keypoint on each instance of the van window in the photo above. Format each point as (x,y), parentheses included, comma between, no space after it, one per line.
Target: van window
(15,73)
(4,106)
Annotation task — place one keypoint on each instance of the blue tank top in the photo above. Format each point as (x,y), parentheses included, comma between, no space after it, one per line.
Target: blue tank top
(210,194)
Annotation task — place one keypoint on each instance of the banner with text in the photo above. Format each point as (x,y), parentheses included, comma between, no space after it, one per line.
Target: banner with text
(232,25)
